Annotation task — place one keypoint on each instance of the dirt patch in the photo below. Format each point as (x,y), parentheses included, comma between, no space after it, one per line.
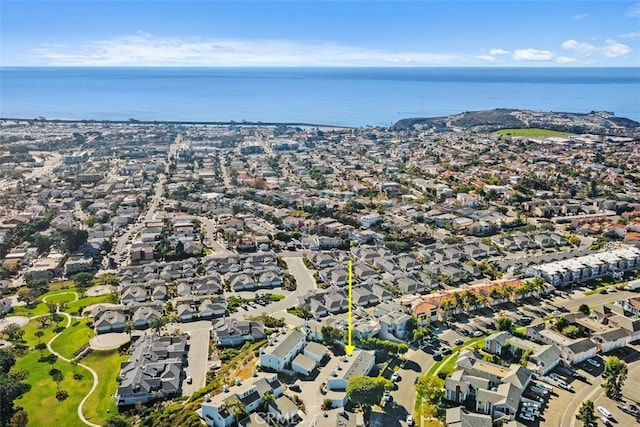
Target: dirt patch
(18,320)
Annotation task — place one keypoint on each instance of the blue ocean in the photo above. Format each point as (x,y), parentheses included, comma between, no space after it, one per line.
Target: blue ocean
(332,96)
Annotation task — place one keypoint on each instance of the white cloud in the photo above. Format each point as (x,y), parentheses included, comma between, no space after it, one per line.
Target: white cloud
(630,35)
(565,60)
(498,52)
(611,48)
(584,49)
(532,55)
(144,49)
(579,16)
(634,11)
(487,58)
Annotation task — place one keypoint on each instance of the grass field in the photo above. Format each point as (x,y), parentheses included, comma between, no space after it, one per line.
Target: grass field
(73,307)
(21,310)
(448,361)
(40,402)
(30,330)
(107,365)
(58,297)
(72,339)
(533,132)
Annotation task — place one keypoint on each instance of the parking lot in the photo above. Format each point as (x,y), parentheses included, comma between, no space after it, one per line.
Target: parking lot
(563,404)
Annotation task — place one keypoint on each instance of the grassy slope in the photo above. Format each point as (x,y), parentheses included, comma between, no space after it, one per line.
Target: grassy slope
(73,338)
(30,330)
(40,402)
(107,365)
(532,132)
(73,307)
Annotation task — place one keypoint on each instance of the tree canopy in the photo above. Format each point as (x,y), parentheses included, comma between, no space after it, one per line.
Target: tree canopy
(366,391)
(615,374)
(586,414)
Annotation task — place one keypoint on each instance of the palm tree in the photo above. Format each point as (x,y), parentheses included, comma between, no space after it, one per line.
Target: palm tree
(458,301)
(495,294)
(507,291)
(266,399)
(470,300)
(482,301)
(519,292)
(128,328)
(446,306)
(539,284)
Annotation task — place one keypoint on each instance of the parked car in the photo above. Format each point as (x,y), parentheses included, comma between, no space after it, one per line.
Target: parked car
(386,396)
(446,349)
(556,312)
(189,380)
(437,355)
(395,377)
(593,363)
(631,409)
(409,420)
(458,341)
(527,416)
(294,387)
(604,411)
(477,334)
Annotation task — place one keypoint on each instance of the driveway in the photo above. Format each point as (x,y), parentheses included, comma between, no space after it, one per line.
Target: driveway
(199,333)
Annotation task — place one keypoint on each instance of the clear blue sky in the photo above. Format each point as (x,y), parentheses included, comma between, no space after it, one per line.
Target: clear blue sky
(331,33)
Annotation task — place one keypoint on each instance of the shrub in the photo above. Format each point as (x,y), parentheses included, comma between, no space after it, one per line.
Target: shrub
(62,395)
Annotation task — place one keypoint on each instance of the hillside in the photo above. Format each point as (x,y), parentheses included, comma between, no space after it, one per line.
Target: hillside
(599,122)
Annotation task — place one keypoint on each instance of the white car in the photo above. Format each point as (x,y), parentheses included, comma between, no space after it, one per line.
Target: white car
(409,420)
(604,411)
(395,377)
(458,341)
(527,416)
(556,312)
(387,396)
(477,334)
(593,363)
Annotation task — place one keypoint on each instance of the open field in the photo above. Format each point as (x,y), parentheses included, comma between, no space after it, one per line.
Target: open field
(73,307)
(63,296)
(533,132)
(73,339)
(100,404)
(40,402)
(30,330)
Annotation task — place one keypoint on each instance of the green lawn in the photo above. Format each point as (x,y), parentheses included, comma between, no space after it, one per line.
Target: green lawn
(30,330)
(532,132)
(107,365)
(40,402)
(58,297)
(275,297)
(73,338)
(40,308)
(448,361)
(73,307)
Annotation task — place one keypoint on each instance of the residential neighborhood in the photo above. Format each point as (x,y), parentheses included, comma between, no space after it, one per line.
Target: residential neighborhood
(243,275)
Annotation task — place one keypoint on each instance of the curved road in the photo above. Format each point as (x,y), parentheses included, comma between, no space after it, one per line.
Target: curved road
(93,373)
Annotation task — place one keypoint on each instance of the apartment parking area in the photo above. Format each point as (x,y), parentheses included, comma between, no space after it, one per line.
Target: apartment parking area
(563,404)
(199,339)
